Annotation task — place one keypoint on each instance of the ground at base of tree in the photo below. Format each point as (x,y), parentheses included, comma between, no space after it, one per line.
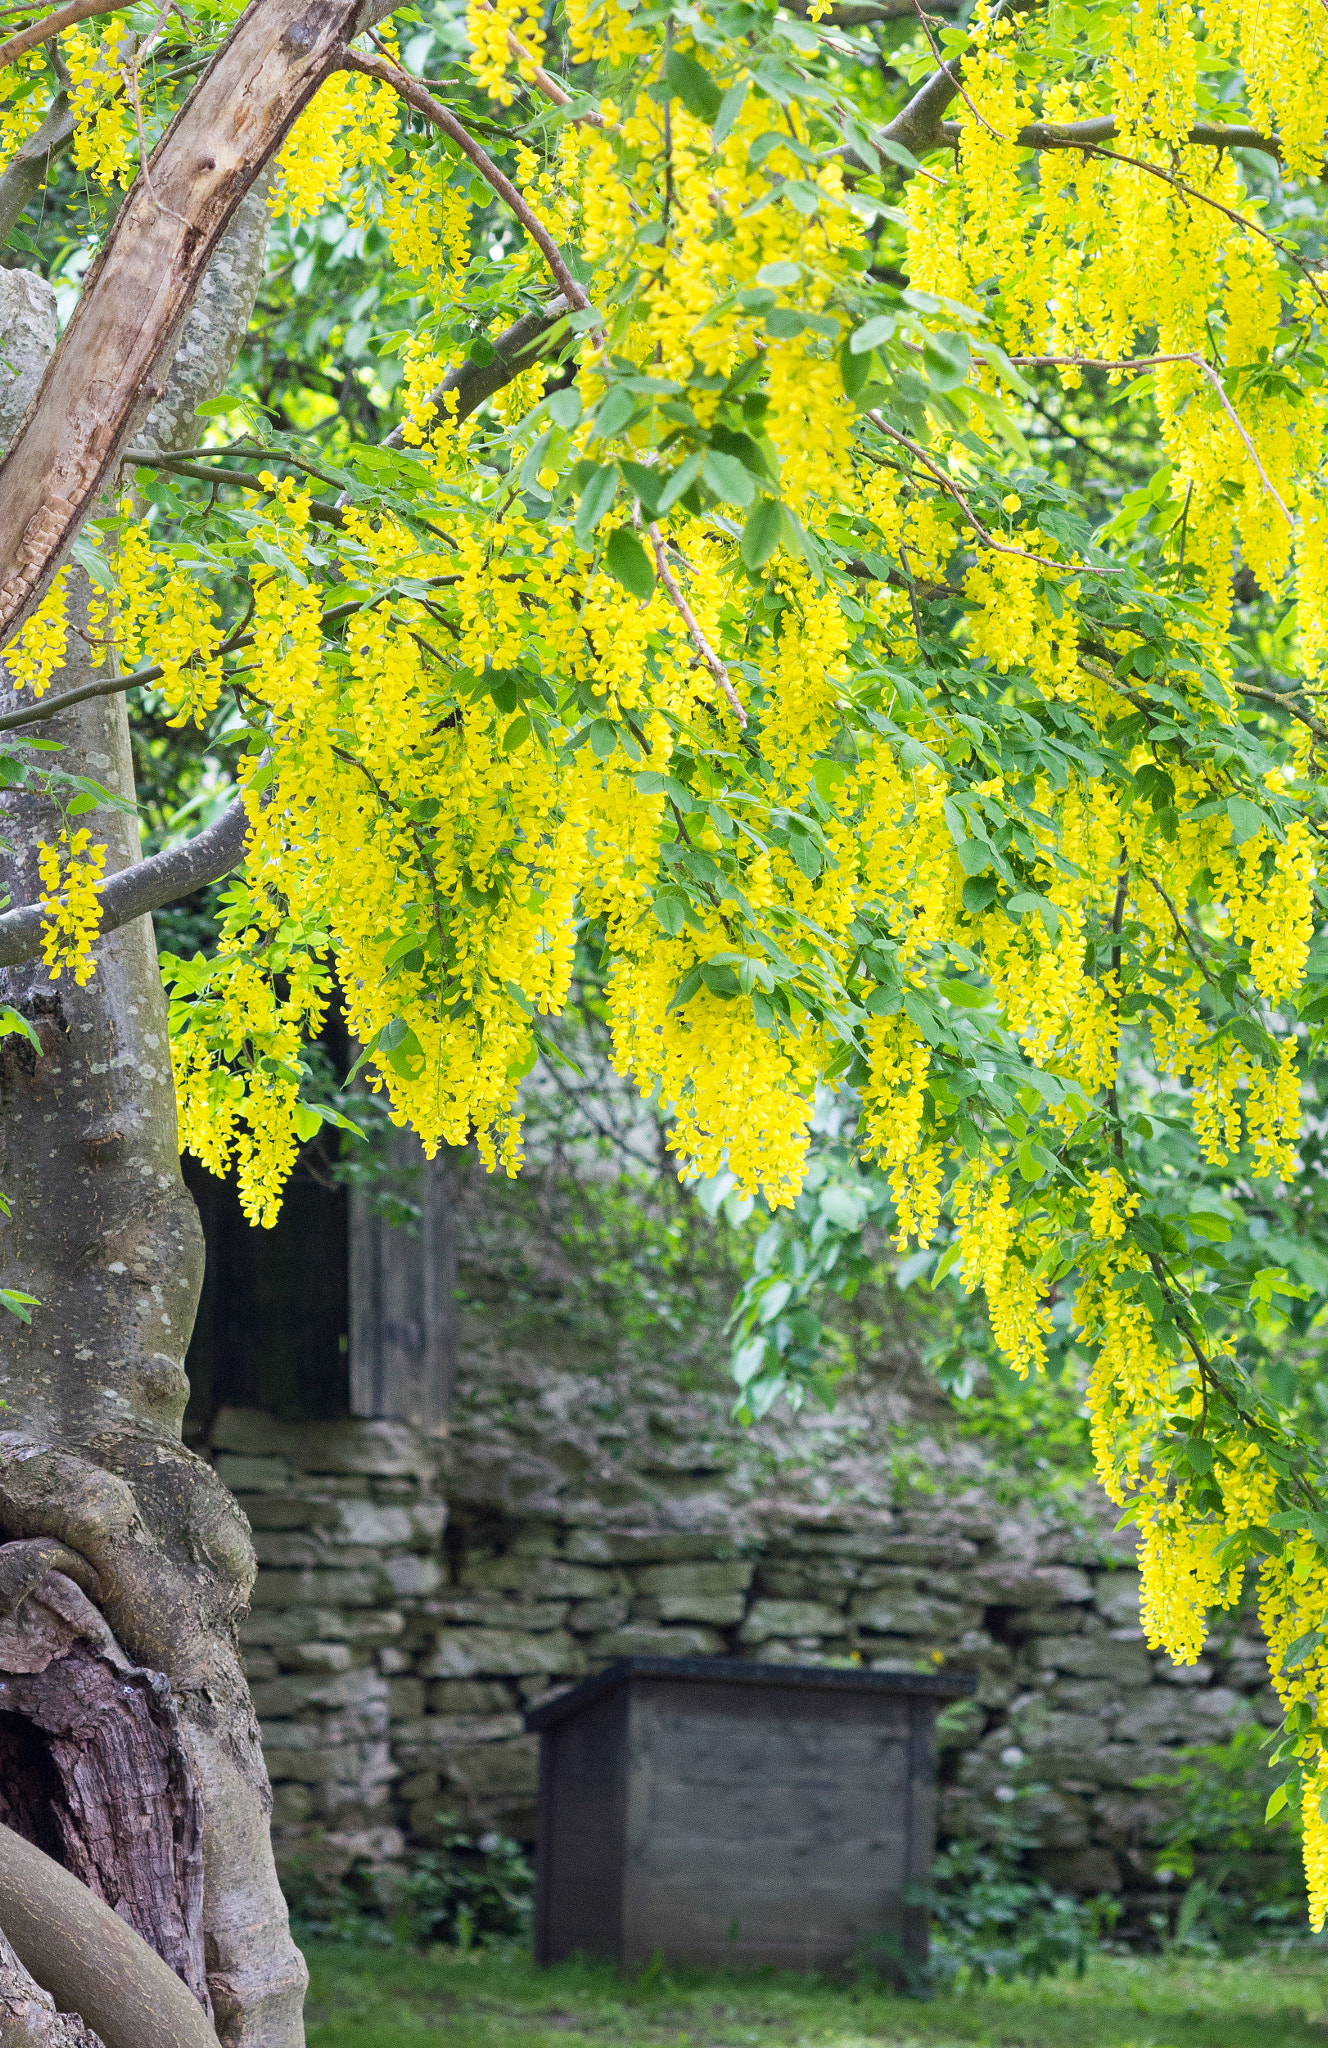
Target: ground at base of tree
(395,1998)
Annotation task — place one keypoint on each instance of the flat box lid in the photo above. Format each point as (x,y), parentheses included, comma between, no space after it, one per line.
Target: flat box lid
(938,1685)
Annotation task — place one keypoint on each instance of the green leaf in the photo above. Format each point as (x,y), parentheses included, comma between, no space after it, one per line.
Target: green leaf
(684,476)
(778,275)
(670,908)
(600,491)
(564,408)
(729,109)
(613,412)
(628,562)
(727,478)
(760,534)
(694,86)
(979,894)
(871,334)
(1277,1800)
(1246,819)
(12,1021)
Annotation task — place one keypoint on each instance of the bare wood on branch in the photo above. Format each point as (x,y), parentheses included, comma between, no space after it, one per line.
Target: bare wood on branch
(123,328)
(952,490)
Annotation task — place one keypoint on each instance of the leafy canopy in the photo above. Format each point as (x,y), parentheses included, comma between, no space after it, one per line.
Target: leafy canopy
(740,631)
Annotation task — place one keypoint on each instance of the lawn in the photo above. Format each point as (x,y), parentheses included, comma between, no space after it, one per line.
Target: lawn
(364,1997)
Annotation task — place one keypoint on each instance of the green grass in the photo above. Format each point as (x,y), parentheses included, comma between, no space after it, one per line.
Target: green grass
(396,1998)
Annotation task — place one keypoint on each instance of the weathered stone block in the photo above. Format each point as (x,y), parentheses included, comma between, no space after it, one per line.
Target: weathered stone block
(474,1652)
(733,1575)
(291,1804)
(444,1731)
(605,1546)
(250,1431)
(481,1612)
(405,1698)
(254,1475)
(291,1695)
(412,1577)
(645,1641)
(911,1614)
(1091,1656)
(1013,1583)
(319,1657)
(387,1449)
(1168,1715)
(1127,1819)
(1116,1595)
(790,1618)
(468,1696)
(538,1578)
(311,1588)
(593,1617)
(720,1610)
(289,1511)
(366,1522)
(494,1767)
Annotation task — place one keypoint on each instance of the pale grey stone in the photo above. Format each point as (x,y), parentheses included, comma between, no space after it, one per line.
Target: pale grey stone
(539,1578)
(473,1652)
(1014,1583)
(911,1614)
(1116,1595)
(789,1618)
(732,1576)
(1086,1656)
(720,1610)
(410,1577)
(27,338)
(254,1475)
(645,1641)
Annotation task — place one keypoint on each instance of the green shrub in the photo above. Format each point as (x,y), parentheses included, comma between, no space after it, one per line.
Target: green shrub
(1242,1877)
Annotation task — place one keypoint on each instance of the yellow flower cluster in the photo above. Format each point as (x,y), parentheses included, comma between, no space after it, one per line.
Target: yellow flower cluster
(38,649)
(71,871)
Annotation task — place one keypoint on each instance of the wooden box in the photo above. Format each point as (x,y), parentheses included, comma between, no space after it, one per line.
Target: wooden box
(721,1811)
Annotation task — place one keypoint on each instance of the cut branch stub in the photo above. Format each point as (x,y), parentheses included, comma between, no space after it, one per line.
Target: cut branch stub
(126,321)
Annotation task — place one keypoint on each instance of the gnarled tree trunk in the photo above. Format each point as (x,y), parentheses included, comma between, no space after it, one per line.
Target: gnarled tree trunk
(93,1475)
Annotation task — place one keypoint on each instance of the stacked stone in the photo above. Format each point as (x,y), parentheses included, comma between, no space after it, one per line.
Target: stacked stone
(392,1660)
(347,1521)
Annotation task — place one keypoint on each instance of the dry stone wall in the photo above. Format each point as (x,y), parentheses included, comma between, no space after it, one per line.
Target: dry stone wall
(392,1653)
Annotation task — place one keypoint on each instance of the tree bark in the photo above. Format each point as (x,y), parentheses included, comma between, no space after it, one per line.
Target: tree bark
(104,1233)
(121,336)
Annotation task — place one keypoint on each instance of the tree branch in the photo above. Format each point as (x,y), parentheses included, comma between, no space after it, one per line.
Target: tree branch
(1092,134)
(415,95)
(147,885)
(116,345)
(952,489)
(30,166)
(55,24)
(514,350)
(694,633)
(1145,364)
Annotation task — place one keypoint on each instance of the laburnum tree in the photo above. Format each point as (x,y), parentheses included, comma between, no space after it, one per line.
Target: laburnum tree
(706,607)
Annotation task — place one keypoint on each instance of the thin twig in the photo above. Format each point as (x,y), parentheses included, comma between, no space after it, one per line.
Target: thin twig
(54,24)
(997,547)
(549,86)
(1147,363)
(424,103)
(688,617)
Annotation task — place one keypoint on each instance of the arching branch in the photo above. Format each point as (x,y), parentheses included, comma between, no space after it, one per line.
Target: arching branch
(147,885)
